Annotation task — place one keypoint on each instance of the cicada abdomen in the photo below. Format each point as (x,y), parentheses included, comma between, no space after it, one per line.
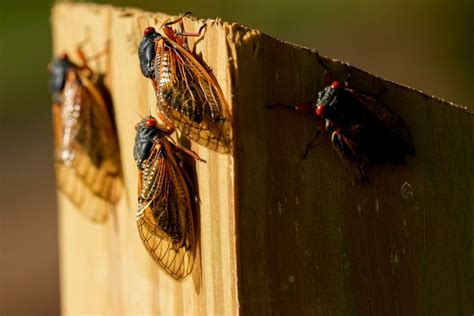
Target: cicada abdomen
(86,159)
(188,95)
(166,200)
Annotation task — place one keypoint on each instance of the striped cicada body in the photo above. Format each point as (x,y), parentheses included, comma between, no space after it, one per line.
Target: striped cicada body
(188,95)
(166,199)
(86,158)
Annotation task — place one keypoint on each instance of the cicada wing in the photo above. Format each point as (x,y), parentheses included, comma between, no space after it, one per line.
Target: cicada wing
(353,160)
(164,218)
(191,95)
(90,205)
(101,169)
(393,123)
(87,160)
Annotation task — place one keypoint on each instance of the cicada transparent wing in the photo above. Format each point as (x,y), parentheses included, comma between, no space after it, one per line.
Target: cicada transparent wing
(192,97)
(87,161)
(393,124)
(165,214)
(352,157)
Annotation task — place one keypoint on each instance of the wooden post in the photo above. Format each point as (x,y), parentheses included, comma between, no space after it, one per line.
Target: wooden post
(279,235)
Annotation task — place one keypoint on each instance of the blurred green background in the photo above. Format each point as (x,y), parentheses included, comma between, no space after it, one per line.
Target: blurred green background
(427,44)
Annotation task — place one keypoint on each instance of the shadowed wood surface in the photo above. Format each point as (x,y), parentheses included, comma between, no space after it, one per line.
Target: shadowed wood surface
(279,235)
(322,244)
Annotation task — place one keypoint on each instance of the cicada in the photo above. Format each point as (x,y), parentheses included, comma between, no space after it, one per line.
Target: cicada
(188,95)
(362,129)
(166,199)
(86,158)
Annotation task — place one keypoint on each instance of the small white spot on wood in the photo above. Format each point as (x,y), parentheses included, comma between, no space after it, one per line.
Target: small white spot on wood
(406,190)
(394,259)
(291,279)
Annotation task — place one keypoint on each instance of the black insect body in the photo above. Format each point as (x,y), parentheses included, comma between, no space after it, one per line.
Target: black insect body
(188,95)
(166,199)
(87,159)
(58,70)
(363,131)
(381,135)
(147,52)
(144,140)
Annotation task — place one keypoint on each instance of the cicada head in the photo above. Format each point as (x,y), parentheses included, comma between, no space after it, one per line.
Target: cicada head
(147,51)
(328,100)
(147,131)
(58,70)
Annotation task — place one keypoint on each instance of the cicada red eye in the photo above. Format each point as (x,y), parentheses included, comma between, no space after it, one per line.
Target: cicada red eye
(151,122)
(149,30)
(335,85)
(319,110)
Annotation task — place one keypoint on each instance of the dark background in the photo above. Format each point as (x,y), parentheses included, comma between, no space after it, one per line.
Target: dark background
(427,44)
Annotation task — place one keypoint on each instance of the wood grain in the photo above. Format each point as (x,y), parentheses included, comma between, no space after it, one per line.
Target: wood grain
(105,268)
(278,234)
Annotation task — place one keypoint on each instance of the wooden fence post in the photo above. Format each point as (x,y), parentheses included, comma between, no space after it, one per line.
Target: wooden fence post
(279,235)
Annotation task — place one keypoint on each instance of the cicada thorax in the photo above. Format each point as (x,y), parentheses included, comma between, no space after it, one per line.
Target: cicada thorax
(165,200)
(87,160)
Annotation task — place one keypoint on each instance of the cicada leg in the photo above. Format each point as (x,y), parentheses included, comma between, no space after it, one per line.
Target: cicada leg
(169,127)
(86,60)
(168,30)
(180,37)
(310,144)
(178,20)
(193,34)
(189,152)
(306,106)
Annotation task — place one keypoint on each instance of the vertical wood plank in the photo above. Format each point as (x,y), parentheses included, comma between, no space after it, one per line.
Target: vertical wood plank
(104,268)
